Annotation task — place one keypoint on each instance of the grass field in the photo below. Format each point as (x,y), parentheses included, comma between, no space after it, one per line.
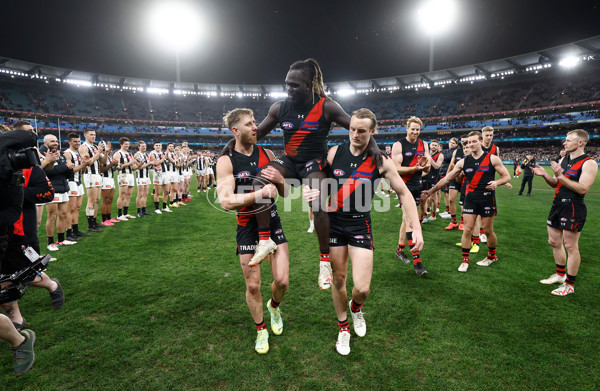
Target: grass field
(158,304)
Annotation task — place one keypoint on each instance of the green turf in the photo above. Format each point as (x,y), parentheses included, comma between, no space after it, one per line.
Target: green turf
(158,304)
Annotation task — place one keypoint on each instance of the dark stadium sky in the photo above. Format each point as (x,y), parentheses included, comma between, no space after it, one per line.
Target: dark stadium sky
(254,41)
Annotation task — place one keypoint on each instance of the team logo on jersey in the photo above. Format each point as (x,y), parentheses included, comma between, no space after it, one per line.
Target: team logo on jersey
(469,170)
(279,231)
(408,154)
(243,174)
(287,125)
(309,163)
(359,237)
(338,172)
(487,208)
(563,219)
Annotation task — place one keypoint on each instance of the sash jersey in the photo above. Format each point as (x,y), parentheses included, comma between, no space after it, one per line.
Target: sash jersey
(434,173)
(143,159)
(245,168)
(493,149)
(125,158)
(94,168)
(411,152)
(75,176)
(572,169)
(478,172)
(355,176)
(304,132)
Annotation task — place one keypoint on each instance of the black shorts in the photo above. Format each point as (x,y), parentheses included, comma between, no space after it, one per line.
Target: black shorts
(416,194)
(463,190)
(343,233)
(454,185)
(247,236)
(568,216)
(445,188)
(302,170)
(482,204)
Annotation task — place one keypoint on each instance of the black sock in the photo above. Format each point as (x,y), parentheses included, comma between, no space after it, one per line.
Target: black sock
(156,205)
(61,237)
(69,232)
(119,212)
(125,210)
(144,209)
(75,228)
(50,239)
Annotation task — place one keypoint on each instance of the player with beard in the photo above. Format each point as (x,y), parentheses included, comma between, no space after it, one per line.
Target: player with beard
(306,117)
(234,189)
(411,156)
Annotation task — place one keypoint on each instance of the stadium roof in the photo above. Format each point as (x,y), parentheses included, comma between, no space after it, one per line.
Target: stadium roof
(584,50)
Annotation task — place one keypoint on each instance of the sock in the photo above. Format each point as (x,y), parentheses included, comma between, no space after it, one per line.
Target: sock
(453,219)
(344,325)
(491,252)
(90,220)
(416,255)
(481,231)
(274,304)
(312,223)
(433,213)
(462,220)
(355,307)
(75,228)
(400,247)
(50,239)
(264,233)
(119,212)
(139,210)
(465,254)
(447,209)
(260,326)
(325,256)
(125,210)
(61,237)
(156,205)
(561,269)
(475,239)
(570,279)
(144,209)
(69,232)
(165,204)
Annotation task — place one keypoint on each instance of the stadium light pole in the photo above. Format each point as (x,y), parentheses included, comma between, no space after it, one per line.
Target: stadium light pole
(435,17)
(177,27)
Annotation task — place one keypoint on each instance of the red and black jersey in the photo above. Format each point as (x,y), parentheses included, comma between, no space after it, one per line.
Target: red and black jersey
(447,153)
(245,168)
(493,149)
(478,172)
(434,173)
(356,178)
(411,152)
(572,169)
(304,132)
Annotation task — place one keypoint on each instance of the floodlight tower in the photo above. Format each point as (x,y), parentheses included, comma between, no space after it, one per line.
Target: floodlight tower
(176,26)
(436,17)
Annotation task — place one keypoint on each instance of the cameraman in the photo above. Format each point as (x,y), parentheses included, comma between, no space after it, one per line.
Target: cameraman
(11,201)
(58,175)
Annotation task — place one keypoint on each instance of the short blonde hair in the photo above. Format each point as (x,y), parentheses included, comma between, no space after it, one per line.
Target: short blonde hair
(487,129)
(363,113)
(580,134)
(233,116)
(414,119)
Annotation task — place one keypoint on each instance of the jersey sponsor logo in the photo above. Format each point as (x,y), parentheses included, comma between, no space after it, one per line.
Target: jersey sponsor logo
(362,176)
(247,247)
(571,172)
(338,172)
(468,210)
(287,125)
(308,125)
(483,168)
(243,174)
